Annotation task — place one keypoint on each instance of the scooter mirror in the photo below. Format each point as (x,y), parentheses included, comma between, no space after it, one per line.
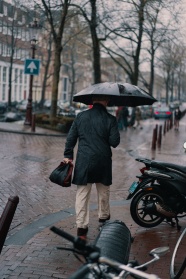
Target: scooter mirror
(184,145)
(159,251)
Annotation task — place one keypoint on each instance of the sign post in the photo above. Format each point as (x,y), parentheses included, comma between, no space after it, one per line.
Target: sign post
(32,67)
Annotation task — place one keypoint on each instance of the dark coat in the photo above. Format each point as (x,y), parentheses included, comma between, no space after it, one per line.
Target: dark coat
(177,114)
(97,131)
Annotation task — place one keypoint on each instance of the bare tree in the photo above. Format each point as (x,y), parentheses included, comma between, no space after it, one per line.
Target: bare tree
(126,37)
(157,29)
(56,13)
(140,29)
(46,61)
(77,51)
(95,13)
(172,64)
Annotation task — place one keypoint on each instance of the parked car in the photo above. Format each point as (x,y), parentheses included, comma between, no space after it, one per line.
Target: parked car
(47,104)
(3,107)
(174,105)
(68,111)
(146,111)
(22,105)
(12,116)
(162,112)
(63,104)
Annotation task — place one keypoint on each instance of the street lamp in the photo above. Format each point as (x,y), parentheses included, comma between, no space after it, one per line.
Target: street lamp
(33,28)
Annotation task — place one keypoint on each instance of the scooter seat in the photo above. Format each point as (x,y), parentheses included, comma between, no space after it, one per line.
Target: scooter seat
(158,164)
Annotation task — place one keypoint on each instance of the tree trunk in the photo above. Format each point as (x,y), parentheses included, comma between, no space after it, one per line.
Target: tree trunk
(10,74)
(45,75)
(10,83)
(138,49)
(96,59)
(57,65)
(95,43)
(151,85)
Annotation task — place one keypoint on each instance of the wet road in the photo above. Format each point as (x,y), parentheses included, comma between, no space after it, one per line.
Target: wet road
(27,161)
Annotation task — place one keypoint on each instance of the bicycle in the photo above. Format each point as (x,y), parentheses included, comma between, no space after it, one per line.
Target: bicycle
(99,266)
(178,260)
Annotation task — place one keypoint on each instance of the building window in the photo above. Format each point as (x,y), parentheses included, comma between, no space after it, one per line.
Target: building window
(65,84)
(4,92)
(4,74)
(5,29)
(64,96)
(25,79)
(16,75)
(20,92)
(5,10)
(15,92)
(3,50)
(23,19)
(21,76)
(15,15)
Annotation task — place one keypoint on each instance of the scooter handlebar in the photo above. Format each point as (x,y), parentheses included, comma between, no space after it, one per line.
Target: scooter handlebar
(78,243)
(81,272)
(64,234)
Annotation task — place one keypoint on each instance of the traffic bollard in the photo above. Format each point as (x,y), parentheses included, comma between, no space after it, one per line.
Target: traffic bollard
(156,133)
(6,218)
(33,122)
(168,125)
(159,136)
(165,127)
(153,147)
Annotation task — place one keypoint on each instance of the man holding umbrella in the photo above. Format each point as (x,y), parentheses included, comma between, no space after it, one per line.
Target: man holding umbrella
(97,131)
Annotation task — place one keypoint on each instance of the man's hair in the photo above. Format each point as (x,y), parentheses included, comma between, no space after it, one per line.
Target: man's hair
(100,98)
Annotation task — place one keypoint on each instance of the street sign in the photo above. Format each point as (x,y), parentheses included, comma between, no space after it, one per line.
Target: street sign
(32,67)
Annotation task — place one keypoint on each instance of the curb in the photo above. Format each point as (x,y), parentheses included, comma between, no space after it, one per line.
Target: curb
(25,234)
(31,133)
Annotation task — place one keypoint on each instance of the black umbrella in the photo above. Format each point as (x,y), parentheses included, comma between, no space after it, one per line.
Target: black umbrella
(121,94)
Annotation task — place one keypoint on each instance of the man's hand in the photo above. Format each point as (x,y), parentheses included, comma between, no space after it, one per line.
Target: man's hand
(67,160)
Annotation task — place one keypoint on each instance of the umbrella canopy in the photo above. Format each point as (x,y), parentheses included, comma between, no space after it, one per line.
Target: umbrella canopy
(121,94)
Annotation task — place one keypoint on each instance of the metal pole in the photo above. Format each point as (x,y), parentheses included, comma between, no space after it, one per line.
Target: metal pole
(28,119)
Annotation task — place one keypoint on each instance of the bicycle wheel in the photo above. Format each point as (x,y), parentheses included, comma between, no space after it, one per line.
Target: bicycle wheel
(178,261)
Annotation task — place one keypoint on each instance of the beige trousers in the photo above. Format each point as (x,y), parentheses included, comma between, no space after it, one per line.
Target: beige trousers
(82,203)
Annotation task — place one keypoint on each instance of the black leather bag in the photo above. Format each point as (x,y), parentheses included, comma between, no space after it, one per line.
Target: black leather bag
(62,175)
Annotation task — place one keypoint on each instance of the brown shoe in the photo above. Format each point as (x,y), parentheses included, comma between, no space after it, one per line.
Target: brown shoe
(81,232)
(104,220)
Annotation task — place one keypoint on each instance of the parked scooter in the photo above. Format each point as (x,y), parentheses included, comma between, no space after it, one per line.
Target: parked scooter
(108,256)
(159,194)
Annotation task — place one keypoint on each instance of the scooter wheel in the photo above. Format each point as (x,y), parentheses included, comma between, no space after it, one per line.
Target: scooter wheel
(141,211)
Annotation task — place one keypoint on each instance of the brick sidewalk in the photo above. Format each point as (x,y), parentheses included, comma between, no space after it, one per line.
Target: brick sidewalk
(25,164)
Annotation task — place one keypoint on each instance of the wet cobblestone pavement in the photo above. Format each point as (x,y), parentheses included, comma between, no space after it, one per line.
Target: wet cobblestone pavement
(26,160)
